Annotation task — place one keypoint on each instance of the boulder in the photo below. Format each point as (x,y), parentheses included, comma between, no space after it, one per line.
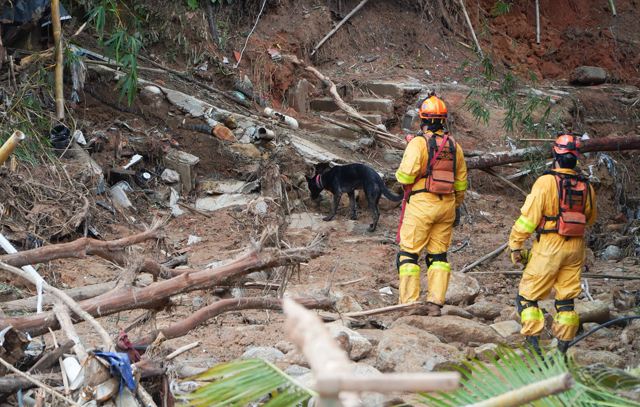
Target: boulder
(604,333)
(588,75)
(285,346)
(360,347)
(264,353)
(485,310)
(593,311)
(369,399)
(457,311)
(486,352)
(612,252)
(406,348)
(297,370)
(586,357)
(506,328)
(463,289)
(450,328)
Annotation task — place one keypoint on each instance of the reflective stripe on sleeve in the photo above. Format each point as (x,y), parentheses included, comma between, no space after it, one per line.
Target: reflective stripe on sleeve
(460,185)
(405,178)
(525,224)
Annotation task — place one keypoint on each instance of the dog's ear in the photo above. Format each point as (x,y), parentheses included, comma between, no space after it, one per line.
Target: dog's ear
(321,168)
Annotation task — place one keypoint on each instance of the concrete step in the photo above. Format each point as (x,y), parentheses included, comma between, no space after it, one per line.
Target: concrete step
(343,117)
(384,107)
(329,129)
(391,89)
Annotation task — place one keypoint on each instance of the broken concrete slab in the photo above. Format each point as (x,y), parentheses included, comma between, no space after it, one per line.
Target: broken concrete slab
(214,203)
(391,89)
(333,130)
(384,106)
(298,96)
(506,328)
(216,187)
(183,163)
(313,153)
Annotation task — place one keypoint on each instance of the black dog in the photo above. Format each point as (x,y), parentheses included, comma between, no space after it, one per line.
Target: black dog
(348,178)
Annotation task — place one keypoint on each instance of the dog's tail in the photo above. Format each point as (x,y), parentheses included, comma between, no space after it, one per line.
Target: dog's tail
(390,195)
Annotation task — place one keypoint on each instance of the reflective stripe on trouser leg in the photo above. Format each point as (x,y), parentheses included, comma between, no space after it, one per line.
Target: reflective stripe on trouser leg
(532,320)
(438,281)
(409,283)
(565,325)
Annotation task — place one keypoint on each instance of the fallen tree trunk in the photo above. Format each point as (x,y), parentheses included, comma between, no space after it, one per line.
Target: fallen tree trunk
(232,304)
(78,294)
(613,143)
(11,383)
(127,298)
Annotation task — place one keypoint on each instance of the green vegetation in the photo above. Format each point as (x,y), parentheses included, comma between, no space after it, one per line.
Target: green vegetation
(500,8)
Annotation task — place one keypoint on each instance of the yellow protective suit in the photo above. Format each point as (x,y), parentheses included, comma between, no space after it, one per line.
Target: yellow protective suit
(428,223)
(556,261)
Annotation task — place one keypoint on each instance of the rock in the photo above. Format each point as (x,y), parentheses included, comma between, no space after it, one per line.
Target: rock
(246,150)
(193,239)
(506,328)
(307,220)
(486,352)
(264,353)
(294,357)
(586,357)
(406,348)
(369,399)
(213,187)
(604,333)
(612,252)
(285,346)
(297,370)
(452,328)
(485,310)
(457,311)
(184,164)
(593,311)
(463,289)
(299,96)
(366,142)
(588,75)
(346,303)
(373,335)
(170,176)
(392,156)
(119,196)
(214,203)
(174,197)
(360,347)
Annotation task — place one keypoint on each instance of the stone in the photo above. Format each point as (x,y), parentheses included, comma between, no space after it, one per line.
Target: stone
(297,370)
(593,311)
(323,104)
(588,75)
(214,203)
(193,239)
(368,398)
(411,121)
(384,88)
(299,96)
(457,311)
(307,220)
(612,252)
(294,357)
(184,164)
(506,328)
(264,353)
(485,310)
(604,333)
(360,346)
(486,352)
(463,289)
(452,328)
(373,335)
(246,150)
(383,106)
(406,348)
(285,346)
(346,303)
(366,142)
(174,197)
(213,187)
(119,196)
(392,156)
(586,357)
(170,176)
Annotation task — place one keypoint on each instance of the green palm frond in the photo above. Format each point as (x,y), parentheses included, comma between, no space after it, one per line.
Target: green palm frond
(513,369)
(242,382)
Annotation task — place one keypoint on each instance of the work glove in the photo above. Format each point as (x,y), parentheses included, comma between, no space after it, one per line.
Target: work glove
(520,256)
(456,222)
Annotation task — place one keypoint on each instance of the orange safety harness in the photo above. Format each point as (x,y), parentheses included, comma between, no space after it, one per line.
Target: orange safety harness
(573,192)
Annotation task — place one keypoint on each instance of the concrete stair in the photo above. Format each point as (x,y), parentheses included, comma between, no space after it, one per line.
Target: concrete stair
(371,105)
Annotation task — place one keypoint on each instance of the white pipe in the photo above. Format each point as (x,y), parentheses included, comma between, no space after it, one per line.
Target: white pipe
(8,247)
(288,120)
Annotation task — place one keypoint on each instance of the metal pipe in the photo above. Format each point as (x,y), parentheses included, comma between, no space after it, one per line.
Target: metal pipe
(12,142)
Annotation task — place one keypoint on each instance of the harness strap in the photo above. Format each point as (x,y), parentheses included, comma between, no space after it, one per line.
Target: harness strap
(319,181)
(412,258)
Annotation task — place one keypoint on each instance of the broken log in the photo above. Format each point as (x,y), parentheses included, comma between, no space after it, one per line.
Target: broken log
(50,357)
(150,297)
(10,384)
(484,258)
(337,27)
(612,143)
(78,294)
(79,248)
(232,304)
(38,383)
(59,70)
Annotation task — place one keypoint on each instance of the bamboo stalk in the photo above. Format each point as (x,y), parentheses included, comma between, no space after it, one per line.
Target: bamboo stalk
(57,38)
(612,4)
(337,27)
(484,258)
(182,350)
(473,33)
(12,142)
(394,382)
(529,393)
(537,21)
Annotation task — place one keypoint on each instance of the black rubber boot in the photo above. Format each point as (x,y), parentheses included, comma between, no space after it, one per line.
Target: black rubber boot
(533,341)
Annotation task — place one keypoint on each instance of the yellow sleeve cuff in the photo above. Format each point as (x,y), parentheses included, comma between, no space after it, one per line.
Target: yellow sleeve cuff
(525,225)
(405,178)
(460,185)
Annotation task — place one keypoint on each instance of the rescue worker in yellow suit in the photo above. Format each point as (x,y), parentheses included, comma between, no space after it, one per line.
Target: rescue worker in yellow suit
(434,174)
(560,206)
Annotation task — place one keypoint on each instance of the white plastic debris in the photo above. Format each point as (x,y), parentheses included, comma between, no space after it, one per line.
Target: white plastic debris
(8,247)
(134,160)
(78,137)
(72,369)
(193,239)
(386,290)
(174,197)
(170,176)
(119,194)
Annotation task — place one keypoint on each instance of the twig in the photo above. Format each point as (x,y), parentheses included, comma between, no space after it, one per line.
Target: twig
(182,350)
(490,171)
(264,2)
(337,27)
(473,33)
(194,210)
(382,310)
(484,258)
(344,283)
(38,383)
(531,392)
(61,313)
(537,21)
(612,4)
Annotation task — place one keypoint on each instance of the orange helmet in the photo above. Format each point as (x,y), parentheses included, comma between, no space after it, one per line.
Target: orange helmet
(567,144)
(433,108)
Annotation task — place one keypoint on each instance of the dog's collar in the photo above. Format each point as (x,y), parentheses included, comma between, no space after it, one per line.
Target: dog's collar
(319,181)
